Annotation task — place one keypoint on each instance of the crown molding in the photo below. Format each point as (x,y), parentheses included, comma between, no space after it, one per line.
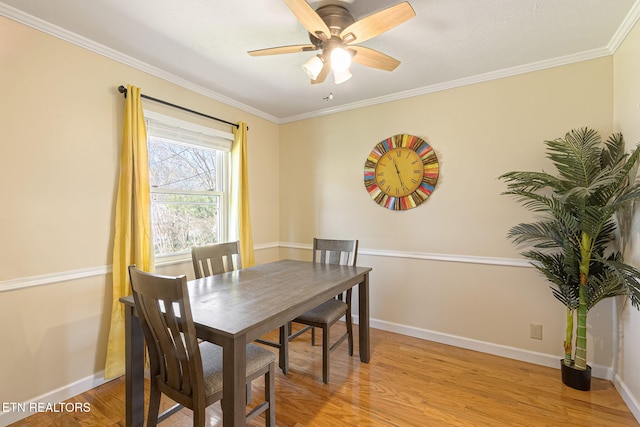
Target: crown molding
(624,28)
(622,31)
(480,78)
(68,36)
(56,31)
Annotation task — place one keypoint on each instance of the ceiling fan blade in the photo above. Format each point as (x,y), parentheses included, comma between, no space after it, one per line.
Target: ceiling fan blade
(373,58)
(323,74)
(283,49)
(377,23)
(309,19)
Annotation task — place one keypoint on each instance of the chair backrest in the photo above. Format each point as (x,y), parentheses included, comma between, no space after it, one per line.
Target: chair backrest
(163,307)
(344,252)
(216,259)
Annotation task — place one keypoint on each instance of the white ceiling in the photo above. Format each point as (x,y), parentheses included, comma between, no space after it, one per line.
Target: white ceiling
(203,44)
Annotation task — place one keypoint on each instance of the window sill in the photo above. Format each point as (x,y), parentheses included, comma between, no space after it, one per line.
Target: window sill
(164,260)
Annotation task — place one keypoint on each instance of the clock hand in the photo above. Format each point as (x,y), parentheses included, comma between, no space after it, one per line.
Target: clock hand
(398,172)
(402,183)
(395,165)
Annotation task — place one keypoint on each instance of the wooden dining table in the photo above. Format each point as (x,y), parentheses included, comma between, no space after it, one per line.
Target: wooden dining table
(234,308)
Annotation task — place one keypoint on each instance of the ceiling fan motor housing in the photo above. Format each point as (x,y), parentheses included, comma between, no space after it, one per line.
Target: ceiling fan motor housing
(337,19)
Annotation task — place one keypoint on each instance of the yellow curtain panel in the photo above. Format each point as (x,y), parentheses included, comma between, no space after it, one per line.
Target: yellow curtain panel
(240,194)
(132,239)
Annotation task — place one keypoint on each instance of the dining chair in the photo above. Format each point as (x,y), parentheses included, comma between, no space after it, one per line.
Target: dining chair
(343,252)
(187,371)
(221,258)
(214,259)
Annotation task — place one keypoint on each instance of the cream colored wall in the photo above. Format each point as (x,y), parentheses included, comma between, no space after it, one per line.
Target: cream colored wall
(59,142)
(479,132)
(59,146)
(627,120)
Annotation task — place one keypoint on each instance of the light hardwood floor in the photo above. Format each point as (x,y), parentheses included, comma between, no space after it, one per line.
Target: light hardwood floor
(409,382)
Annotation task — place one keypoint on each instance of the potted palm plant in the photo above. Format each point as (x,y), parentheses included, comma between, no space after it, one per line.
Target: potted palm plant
(576,242)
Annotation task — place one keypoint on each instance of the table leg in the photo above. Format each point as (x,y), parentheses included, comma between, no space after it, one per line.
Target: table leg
(363,320)
(285,331)
(234,378)
(134,369)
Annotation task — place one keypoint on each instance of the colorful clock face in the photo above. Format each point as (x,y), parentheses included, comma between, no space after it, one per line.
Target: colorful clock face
(401,172)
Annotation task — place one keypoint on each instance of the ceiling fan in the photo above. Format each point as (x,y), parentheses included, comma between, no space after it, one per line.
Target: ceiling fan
(333,30)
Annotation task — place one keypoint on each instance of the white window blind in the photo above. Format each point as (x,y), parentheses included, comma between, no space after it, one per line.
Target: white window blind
(189,177)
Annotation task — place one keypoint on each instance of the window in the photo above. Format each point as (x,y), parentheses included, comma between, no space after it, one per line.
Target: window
(188,175)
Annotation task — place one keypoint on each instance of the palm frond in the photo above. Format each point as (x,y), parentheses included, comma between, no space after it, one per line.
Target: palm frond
(576,156)
(601,287)
(551,206)
(567,295)
(530,181)
(564,283)
(617,277)
(595,220)
(532,201)
(613,152)
(539,235)
(624,171)
(631,194)
(629,169)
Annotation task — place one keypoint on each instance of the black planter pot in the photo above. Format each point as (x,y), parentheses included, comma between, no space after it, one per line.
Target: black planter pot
(576,378)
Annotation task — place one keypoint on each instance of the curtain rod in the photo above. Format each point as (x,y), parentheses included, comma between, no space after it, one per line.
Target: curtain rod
(123,90)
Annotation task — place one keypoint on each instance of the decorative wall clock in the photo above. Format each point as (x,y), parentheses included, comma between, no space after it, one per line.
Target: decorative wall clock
(401,172)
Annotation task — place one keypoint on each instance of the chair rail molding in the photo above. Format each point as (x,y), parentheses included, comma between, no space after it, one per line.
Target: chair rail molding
(66,276)
(467,259)
(47,279)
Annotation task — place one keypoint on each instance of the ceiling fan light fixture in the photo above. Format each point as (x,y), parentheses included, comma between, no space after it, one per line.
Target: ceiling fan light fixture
(332,30)
(340,59)
(341,76)
(313,67)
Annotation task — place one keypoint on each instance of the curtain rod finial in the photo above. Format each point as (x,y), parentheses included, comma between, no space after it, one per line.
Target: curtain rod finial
(122,89)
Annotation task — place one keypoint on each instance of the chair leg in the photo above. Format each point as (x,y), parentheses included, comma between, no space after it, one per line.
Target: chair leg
(349,332)
(326,350)
(199,417)
(349,320)
(154,406)
(270,396)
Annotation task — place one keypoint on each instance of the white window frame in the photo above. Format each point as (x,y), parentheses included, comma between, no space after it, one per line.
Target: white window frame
(198,135)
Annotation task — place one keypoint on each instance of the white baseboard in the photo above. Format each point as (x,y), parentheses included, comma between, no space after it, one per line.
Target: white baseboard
(552,361)
(549,360)
(19,410)
(627,396)
(542,359)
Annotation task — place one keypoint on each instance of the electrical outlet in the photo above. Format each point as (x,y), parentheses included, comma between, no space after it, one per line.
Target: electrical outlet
(535,331)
